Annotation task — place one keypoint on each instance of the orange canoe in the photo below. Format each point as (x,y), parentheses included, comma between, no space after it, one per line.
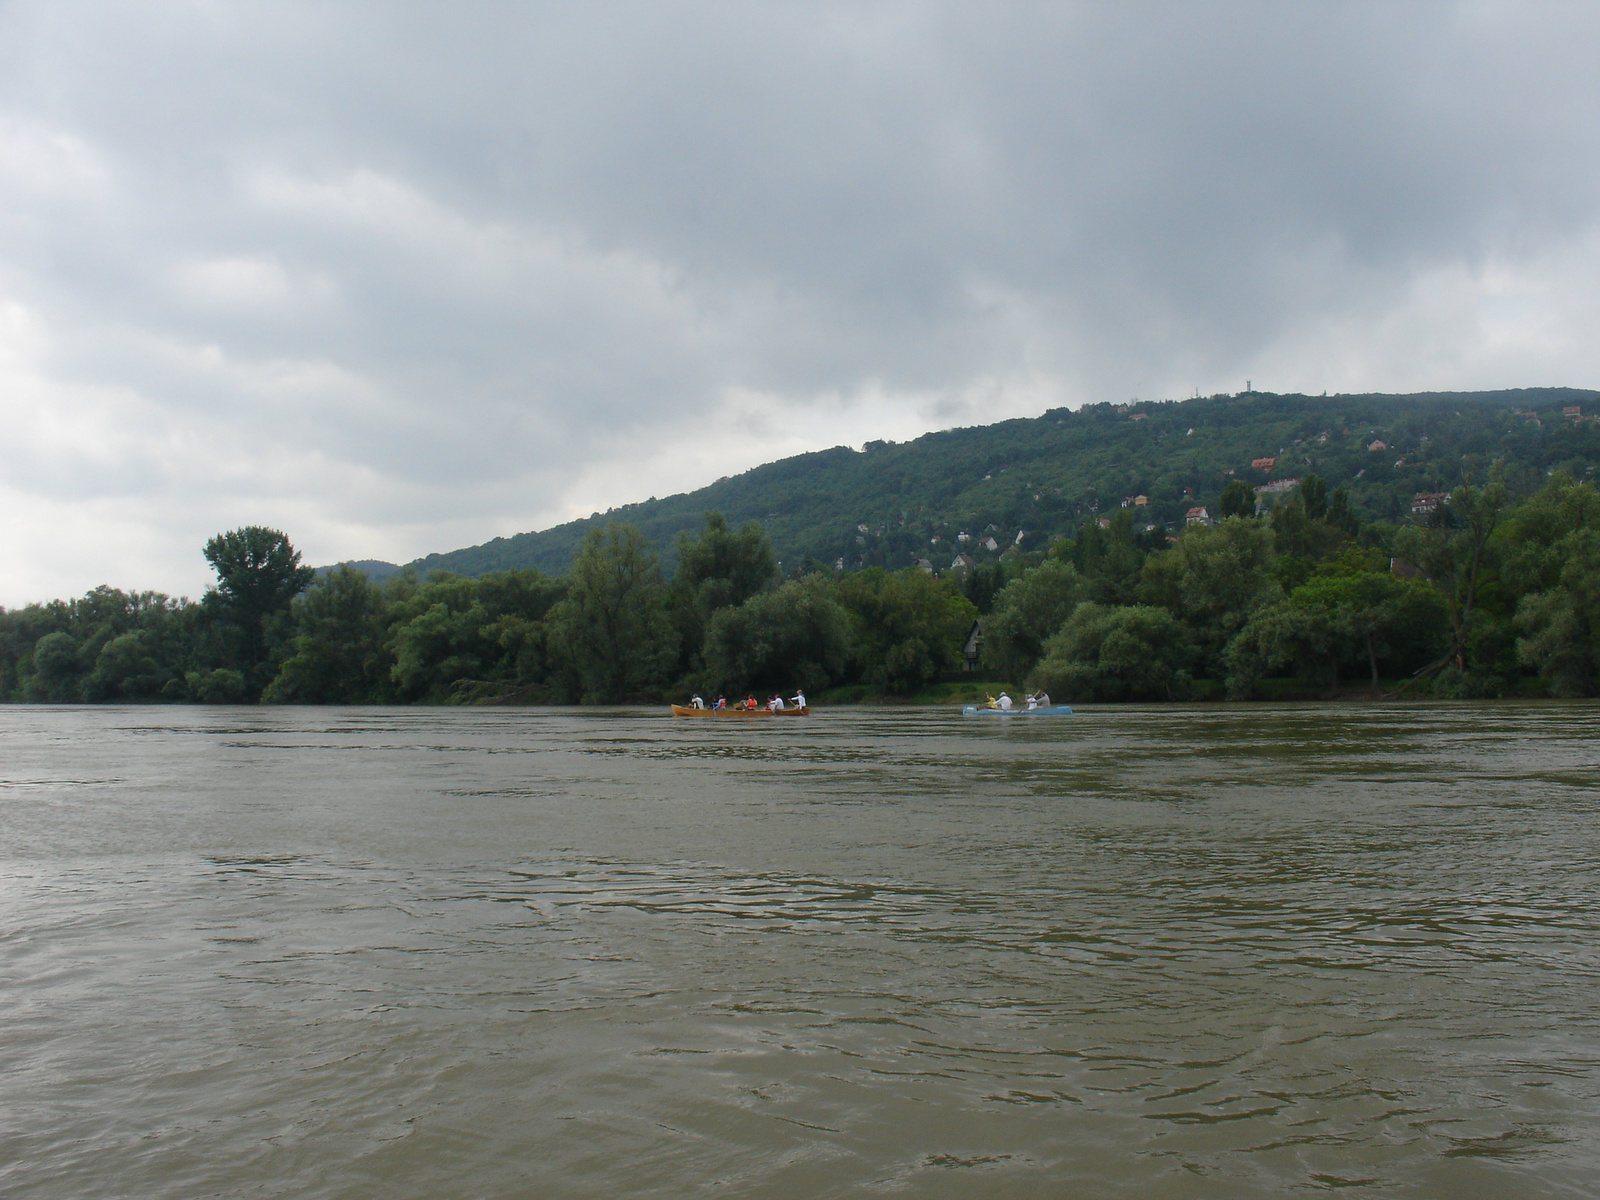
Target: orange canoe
(683,710)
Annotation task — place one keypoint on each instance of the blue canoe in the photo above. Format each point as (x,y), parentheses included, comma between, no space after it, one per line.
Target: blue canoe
(1055,710)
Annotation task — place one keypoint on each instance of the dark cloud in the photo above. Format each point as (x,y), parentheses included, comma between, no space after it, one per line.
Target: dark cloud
(402,276)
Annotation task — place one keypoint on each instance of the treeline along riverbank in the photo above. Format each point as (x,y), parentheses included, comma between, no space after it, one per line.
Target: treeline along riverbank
(1479,593)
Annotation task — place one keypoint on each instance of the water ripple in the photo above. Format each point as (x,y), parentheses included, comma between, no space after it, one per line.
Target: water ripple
(1164,953)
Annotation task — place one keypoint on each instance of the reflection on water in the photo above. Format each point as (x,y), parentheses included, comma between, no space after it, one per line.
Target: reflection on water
(1168,953)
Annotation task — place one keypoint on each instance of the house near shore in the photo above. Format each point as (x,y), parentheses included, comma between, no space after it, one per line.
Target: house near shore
(1268,493)
(1424,503)
(970,648)
(1277,487)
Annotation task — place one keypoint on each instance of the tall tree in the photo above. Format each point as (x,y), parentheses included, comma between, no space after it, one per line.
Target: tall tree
(1300,539)
(1310,634)
(1027,612)
(1215,578)
(909,626)
(795,637)
(721,568)
(1238,500)
(1340,515)
(984,581)
(1550,559)
(129,667)
(1109,559)
(1561,624)
(453,638)
(338,655)
(1313,492)
(57,669)
(1335,617)
(1452,550)
(258,576)
(1116,653)
(613,625)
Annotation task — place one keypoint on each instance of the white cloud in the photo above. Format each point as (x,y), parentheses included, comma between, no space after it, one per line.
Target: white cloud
(252,284)
(38,162)
(1504,322)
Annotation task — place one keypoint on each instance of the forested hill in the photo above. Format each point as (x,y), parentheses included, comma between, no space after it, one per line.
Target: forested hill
(892,504)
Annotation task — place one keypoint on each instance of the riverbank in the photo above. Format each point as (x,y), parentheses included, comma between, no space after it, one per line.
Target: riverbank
(1201,691)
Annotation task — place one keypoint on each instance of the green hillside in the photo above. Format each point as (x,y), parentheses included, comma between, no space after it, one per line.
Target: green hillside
(1043,476)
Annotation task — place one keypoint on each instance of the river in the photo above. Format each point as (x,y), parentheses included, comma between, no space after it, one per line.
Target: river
(1176,952)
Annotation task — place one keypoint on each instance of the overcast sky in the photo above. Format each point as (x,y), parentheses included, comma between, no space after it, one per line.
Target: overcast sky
(402,277)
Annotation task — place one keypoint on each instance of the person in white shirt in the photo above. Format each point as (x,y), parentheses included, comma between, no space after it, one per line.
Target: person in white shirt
(798,699)
(1033,702)
(1004,701)
(776,704)
(696,702)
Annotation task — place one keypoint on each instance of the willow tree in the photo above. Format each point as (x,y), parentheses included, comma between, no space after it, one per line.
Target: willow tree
(1026,613)
(1128,652)
(797,636)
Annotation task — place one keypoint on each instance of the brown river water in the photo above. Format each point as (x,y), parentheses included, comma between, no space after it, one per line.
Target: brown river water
(1135,952)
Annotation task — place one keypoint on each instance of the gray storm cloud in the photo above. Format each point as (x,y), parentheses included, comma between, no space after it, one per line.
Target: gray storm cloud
(400,277)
